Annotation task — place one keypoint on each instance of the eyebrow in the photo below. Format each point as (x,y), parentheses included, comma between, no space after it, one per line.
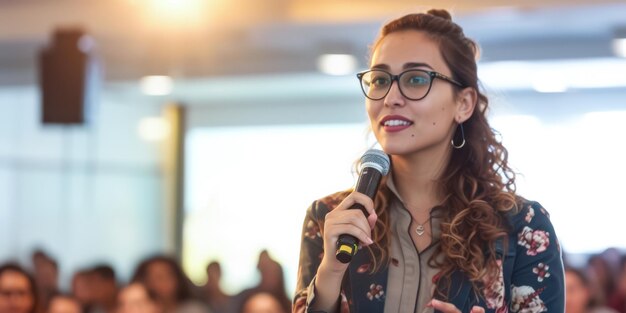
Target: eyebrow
(405,66)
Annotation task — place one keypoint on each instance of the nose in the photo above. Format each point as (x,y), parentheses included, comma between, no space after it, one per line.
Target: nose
(394,97)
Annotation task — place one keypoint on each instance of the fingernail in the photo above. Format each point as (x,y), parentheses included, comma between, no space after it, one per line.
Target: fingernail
(370,241)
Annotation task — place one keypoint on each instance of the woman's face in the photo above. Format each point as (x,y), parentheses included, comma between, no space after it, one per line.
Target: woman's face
(404,126)
(576,294)
(161,279)
(135,299)
(262,303)
(16,295)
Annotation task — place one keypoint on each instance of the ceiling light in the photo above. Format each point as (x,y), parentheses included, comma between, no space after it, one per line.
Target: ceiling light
(619,47)
(156,85)
(337,64)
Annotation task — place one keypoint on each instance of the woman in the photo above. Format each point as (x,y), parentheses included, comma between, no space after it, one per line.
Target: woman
(579,294)
(18,291)
(165,279)
(135,298)
(447,231)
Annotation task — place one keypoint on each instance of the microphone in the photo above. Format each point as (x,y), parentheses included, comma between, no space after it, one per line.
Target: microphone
(373,165)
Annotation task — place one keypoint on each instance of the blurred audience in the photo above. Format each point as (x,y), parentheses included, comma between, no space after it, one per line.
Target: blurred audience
(215,297)
(82,290)
(18,291)
(135,298)
(262,302)
(62,303)
(164,278)
(578,294)
(601,278)
(617,300)
(103,289)
(46,273)
(272,281)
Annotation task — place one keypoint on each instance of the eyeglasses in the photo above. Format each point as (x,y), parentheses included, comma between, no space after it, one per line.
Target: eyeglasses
(414,84)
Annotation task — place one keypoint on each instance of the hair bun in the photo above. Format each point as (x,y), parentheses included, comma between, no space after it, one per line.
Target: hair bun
(440,13)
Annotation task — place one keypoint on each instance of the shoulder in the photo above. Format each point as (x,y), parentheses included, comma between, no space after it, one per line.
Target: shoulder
(528,213)
(532,228)
(320,207)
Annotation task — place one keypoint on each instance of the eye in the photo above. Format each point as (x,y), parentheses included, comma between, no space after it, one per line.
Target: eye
(378,80)
(417,79)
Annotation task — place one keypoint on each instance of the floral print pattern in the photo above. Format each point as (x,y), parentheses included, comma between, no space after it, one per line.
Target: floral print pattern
(535,241)
(542,271)
(376,292)
(525,299)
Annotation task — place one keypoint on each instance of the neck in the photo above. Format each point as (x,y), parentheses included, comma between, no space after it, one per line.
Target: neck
(415,177)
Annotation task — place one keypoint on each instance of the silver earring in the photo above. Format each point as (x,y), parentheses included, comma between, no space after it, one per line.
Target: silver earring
(462,136)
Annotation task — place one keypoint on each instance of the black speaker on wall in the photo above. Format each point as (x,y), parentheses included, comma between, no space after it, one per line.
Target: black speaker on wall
(64,78)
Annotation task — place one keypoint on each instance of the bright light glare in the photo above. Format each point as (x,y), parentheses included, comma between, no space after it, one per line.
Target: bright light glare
(153,129)
(337,64)
(249,189)
(619,47)
(182,12)
(156,85)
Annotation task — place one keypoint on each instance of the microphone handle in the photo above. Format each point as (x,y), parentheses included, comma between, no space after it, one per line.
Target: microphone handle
(348,245)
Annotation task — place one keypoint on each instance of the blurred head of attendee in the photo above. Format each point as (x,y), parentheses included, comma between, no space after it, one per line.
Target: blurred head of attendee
(578,294)
(214,296)
(601,278)
(135,298)
(163,277)
(17,290)
(272,278)
(82,288)
(46,274)
(262,302)
(104,287)
(61,303)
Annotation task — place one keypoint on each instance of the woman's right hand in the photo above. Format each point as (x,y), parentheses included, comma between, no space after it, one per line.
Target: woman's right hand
(343,220)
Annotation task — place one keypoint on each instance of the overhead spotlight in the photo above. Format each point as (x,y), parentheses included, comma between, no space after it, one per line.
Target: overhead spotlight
(619,42)
(619,47)
(337,64)
(156,85)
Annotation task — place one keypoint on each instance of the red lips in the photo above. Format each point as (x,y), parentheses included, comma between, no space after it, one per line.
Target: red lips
(395,123)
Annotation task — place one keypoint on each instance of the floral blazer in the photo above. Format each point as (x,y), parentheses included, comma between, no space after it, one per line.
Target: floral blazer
(531,279)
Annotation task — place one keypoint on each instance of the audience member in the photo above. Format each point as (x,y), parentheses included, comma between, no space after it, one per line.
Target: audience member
(272,281)
(617,300)
(46,274)
(135,298)
(216,298)
(164,277)
(81,288)
(103,287)
(261,302)
(578,294)
(18,291)
(61,303)
(601,278)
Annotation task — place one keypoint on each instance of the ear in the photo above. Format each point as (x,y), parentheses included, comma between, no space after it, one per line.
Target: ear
(465,104)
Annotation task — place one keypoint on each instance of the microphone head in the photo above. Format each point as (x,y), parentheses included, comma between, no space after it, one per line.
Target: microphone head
(377,159)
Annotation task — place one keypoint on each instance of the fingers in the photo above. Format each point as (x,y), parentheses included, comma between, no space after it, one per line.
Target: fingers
(444,307)
(477,309)
(357,197)
(447,307)
(350,222)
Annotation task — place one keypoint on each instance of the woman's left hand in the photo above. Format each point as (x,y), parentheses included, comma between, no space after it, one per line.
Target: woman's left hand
(447,307)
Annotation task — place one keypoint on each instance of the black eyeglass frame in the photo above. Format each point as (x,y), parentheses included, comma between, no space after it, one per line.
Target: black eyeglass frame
(396,78)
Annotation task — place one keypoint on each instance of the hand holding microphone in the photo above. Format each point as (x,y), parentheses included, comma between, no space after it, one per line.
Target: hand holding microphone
(374,164)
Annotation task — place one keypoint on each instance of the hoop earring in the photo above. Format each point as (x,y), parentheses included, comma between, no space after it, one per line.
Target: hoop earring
(462,136)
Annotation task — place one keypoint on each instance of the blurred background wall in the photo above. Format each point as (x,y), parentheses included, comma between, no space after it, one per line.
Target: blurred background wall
(269,117)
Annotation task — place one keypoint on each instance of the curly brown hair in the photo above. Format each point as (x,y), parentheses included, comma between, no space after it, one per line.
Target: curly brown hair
(478,183)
